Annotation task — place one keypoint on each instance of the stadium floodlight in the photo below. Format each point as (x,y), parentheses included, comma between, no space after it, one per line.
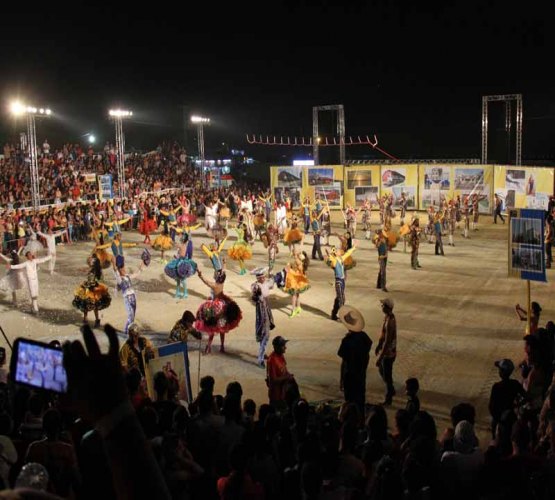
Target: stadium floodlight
(31,112)
(120,113)
(199,119)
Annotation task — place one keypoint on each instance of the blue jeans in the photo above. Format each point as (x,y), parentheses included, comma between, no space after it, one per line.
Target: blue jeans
(130,302)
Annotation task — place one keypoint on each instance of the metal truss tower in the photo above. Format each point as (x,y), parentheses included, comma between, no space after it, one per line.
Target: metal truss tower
(340,130)
(507,99)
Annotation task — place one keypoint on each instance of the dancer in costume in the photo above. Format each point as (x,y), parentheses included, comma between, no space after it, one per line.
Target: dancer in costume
(465,211)
(245,219)
(270,241)
(163,242)
(305,208)
(147,224)
(350,217)
(260,290)
(403,207)
(267,201)
(336,260)
(293,236)
(346,241)
(259,223)
(220,314)
(316,233)
(437,230)
(186,218)
(31,276)
(452,215)
(50,239)
(366,218)
(476,209)
(414,241)
(15,278)
(380,240)
(100,248)
(183,328)
(296,281)
(91,294)
(240,250)
(125,285)
(281,218)
(182,267)
(213,253)
(326,224)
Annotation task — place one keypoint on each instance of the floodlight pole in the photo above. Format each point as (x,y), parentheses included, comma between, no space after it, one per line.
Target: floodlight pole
(120,158)
(200,132)
(33,161)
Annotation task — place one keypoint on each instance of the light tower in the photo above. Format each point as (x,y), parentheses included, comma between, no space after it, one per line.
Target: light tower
(200,121)
(118,116)
(20,109)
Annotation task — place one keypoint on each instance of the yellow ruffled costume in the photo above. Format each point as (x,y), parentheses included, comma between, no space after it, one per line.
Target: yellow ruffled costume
(162,242)
(292,236)
(296,282)
(240,250)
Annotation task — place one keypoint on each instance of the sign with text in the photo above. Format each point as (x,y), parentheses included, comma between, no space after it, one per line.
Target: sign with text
(526,248)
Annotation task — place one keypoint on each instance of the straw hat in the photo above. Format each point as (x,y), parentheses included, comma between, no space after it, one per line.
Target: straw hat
(351,318)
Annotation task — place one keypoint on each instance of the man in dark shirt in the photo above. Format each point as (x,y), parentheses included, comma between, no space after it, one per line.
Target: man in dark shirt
(504,393)
(354,352)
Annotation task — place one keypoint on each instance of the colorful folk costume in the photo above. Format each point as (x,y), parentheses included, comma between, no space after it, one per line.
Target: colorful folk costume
(336,260)
(380,240)
(125,285)
(414,242)
(241,250)
(50,239)
(270,241)
(214,254)
(259,223)
(326,225)
(476,210)
(281,218)
(403,208)
(29,269)
(163,242)
(293,236)
(296,281)
(346,244)
(182,267)
(147,225)
(350,217)
(316,226)
(452,214)
(92,295)
(437,230)
(14,279)
(430,231)
(100,235)
(219,314)
(366,219)
(466,217)
(260,291)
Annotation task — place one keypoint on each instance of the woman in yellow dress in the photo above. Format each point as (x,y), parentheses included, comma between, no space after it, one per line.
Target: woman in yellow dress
(296,281)
(241,250)
(346,244)
(293,236)
(163,242)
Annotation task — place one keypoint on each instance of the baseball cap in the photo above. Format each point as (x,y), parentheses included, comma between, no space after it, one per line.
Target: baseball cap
(279,340)
(388,303)
(505,365)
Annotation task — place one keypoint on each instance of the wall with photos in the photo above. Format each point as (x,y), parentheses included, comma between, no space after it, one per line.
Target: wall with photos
(423,184)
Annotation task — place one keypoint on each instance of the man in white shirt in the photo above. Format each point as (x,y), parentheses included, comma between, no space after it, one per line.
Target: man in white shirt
(31,275)
(46,147)
(281,218)
(50,238)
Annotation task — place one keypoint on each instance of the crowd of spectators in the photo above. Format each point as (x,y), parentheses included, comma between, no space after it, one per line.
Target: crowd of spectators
(109,439)
(63,172)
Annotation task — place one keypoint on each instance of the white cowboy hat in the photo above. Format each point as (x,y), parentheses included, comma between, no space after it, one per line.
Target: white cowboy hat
(351,318)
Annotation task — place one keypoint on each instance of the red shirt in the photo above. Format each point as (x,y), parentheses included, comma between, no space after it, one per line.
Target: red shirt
(250,490)
(276,368)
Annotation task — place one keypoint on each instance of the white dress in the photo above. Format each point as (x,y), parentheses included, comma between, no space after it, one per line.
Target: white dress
(33,245)
(13,280)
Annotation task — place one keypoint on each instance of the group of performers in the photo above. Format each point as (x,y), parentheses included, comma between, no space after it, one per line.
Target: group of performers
(219,314)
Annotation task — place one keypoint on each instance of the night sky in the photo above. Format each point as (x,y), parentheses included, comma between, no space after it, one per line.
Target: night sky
(412,74)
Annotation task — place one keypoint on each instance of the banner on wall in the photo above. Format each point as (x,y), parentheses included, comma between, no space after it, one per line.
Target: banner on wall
(287,183)
(361,184)
(326,183)
(526,248)
(524,187)
(435,185)
(396,180)
(475,181)
(105,187)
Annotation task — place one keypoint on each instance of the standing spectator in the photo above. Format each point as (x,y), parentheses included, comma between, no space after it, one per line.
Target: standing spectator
(46,147)
(534,317)
(354,352)
(278,377)
(504,394)
(386,349)
(413,403)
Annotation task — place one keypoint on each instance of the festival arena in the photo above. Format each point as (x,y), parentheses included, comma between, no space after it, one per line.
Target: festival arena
(455,315)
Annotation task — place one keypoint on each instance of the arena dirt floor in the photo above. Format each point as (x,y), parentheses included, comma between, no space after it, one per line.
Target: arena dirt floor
(455,317)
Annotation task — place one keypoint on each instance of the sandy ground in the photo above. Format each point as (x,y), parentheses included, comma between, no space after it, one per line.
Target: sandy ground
(455,317)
